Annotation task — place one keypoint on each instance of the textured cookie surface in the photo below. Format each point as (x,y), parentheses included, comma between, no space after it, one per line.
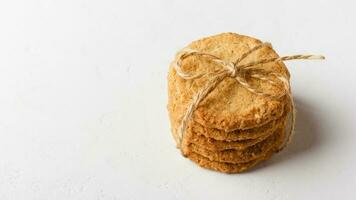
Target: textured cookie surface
(238,139)
(215,137)
(229,106)
(219,145)
(231,167)
(226,167)
(240,156)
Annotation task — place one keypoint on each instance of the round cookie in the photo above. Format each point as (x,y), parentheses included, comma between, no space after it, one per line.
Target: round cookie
(238,139)
(227,167)
(231,168)
(219,145)
(229,106)
(240,156)
(215,137)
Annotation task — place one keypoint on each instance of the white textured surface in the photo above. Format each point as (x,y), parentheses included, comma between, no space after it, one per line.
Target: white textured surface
(83,99)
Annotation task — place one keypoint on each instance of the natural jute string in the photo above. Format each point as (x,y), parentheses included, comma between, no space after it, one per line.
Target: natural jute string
(239,72)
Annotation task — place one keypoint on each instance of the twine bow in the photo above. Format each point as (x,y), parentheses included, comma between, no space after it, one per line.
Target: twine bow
(239,72)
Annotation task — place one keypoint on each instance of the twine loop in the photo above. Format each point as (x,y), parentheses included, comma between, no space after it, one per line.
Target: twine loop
(239,72)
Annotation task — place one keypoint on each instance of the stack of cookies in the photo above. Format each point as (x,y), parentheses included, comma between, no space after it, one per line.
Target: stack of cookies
(232,129)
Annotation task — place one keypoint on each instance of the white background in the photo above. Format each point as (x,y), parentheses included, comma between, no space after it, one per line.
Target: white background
(83,99)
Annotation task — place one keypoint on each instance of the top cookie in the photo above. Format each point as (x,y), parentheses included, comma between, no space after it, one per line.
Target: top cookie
(229,106)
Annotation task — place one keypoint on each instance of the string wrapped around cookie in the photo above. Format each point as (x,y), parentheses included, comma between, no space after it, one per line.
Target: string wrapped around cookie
(239,72)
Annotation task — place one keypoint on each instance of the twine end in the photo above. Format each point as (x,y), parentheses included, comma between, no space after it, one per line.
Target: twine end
(317,57)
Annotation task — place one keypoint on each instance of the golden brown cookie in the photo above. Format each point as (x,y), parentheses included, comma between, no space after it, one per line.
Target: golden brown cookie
(230,167)
(227,167)
(220,145)
(240,156)
(238,139)
(229,106)
(211,136)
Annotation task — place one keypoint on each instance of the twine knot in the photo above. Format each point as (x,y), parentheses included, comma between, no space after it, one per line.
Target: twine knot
(234,69)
